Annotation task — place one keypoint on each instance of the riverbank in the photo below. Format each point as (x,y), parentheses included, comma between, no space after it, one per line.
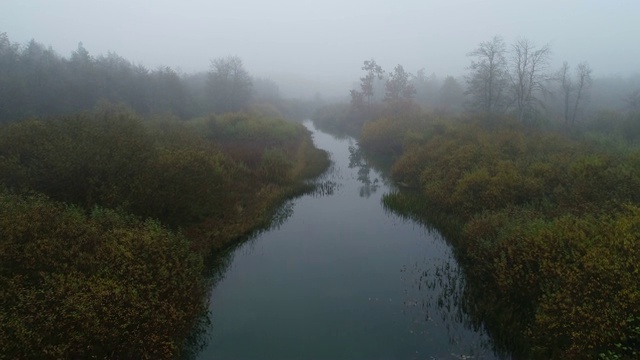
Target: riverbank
(545,227)
(107,219)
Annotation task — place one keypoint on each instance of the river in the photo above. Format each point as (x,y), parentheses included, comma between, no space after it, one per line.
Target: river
(343,278)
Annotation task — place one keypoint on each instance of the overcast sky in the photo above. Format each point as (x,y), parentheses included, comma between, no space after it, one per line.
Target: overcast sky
(328,40)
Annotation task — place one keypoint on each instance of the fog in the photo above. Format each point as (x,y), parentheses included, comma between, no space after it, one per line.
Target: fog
(310,46)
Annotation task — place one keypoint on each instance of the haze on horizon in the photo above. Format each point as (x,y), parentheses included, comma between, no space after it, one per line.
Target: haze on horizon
(324,44)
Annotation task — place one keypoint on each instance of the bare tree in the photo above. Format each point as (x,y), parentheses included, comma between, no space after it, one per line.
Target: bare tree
(573,90)
(487,83)
(564,77)
(528,64)
(583,83)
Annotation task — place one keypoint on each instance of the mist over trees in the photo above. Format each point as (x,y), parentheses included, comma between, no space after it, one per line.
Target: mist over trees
(514,79)
(36,81)
(524,143)
(230,85)
(488,77)
(528,65)
(398,86)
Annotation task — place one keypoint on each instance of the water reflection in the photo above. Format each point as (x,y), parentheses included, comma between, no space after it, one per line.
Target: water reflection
(357,160)
(433,299)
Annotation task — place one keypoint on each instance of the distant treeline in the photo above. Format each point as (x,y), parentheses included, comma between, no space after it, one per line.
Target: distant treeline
(35,81)
(502,79)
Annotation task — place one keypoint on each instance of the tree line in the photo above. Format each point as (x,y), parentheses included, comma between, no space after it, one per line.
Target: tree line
(502,79)
(36,81)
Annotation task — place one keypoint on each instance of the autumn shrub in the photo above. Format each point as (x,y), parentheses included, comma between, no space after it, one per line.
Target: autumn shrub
(114,159)
(569,280)
(246,136)
(103,285)
(242,126)
(390,135)
(275,166)
(550,232)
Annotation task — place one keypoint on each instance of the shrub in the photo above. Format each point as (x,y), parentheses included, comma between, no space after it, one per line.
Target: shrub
(99,285)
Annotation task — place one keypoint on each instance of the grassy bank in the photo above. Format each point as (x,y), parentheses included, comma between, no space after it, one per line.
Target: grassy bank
(106,219)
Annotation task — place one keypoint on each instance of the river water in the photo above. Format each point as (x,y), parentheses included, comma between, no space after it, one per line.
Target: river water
(343,278)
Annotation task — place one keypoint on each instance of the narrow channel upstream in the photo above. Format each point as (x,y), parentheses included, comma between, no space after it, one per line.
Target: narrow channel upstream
(343,278)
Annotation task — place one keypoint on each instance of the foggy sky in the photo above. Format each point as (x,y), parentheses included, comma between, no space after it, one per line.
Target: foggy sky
(325,42)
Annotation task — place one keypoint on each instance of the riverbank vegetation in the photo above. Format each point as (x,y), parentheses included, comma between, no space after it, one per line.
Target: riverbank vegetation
(544,222)
(108,213)
(538,198)
(548,229)
(107,218)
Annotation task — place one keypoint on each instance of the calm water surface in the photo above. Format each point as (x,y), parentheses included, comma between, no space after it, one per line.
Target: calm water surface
(342,278)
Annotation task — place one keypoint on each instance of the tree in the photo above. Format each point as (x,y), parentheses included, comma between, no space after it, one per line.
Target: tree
(11,91)
(427,88)
(357,100)
(367,82)
(527,78)
(566,85)
(633,101)
(267,90)
(487,83)
(398,86)
(168,93)
(570,87)
(83,79)
(583,83)
(451,95)
(230,84)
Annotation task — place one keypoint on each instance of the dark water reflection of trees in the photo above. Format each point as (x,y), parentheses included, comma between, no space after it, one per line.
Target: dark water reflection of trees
(357,160)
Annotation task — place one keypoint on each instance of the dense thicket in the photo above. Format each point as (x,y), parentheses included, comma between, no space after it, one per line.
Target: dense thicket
(102,284)
(105,219)
(549,226)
